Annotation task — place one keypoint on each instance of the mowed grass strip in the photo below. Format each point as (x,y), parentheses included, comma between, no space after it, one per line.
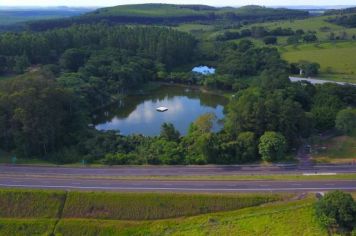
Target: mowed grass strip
(149,206)
(30,227)
(30,203)
(286,218)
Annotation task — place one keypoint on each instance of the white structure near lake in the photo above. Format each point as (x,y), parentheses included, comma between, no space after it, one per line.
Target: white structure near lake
(162,109)
(204,70)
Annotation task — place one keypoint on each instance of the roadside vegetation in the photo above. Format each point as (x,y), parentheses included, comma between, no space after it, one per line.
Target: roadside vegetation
(148,206)
(336,211)
(103,213)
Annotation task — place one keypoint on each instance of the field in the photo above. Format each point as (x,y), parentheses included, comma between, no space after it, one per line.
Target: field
(243,214)
(316,24)
(337,60)
(339,149)
(83,214)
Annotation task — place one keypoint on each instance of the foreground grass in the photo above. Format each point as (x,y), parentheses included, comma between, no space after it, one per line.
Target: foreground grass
(293,218)
(121,206)
(31,204)
(21,227)
(146,206)
(86,213)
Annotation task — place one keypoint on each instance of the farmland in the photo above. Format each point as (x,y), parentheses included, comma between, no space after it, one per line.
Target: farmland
(126,214)
(336,59)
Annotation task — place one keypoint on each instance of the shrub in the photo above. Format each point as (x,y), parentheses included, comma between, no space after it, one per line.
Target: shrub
(336,209)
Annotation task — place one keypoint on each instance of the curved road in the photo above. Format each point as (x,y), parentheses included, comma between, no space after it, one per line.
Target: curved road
(103,179)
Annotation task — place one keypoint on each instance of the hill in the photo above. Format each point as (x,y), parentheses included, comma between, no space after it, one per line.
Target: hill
(12,18)
(167,14)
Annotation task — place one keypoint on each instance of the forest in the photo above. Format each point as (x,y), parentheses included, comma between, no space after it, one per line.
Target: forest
(169,14)
(65,74)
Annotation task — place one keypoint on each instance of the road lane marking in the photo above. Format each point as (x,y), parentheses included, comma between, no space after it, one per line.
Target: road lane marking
(178,189)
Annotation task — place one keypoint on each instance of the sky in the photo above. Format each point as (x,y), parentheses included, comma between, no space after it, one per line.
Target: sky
(206,2)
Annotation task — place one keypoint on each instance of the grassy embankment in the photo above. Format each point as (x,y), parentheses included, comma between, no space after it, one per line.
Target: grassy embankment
(27,212)
(340,149)
(46,212)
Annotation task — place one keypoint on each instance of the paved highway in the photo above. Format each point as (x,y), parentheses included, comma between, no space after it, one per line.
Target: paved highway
(86,179)
(174,170)
(318,81)
(174,186)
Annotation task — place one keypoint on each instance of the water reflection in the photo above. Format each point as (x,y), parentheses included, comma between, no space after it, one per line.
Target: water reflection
(137,114)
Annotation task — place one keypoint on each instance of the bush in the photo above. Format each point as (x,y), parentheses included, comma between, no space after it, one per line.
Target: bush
(272,146)
(336,209)
(270,40)
(346,121)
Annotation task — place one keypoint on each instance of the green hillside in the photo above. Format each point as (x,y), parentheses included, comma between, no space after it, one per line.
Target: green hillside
(167,14)
(154,10)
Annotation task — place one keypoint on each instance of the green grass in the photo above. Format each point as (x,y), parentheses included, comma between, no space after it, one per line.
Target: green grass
(26,227)
(132,206)
(288,218)
(337,60)
(335,150)
(310,24)
(149,10)
(103,214)
(30,203)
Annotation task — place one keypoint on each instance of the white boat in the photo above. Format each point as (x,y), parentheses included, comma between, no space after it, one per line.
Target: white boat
(162,109)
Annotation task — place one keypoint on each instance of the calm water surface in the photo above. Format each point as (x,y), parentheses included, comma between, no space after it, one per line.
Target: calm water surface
(137,114)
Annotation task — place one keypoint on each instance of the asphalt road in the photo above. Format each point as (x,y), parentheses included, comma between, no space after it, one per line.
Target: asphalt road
(175,170)
(317,81)
(85,179)
(175,186)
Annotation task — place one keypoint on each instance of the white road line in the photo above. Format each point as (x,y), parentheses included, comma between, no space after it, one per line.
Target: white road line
(179,189)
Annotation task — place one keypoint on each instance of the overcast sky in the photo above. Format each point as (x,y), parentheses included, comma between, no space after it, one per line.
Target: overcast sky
(206,2)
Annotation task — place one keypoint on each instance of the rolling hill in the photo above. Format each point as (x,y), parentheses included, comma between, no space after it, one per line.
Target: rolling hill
(166,14)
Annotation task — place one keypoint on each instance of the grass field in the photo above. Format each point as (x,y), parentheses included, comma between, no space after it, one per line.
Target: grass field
(26,227)
(287,218)
(87,213)
(337,60)
(31,204)
(335,150)
(155,206)
(316,24)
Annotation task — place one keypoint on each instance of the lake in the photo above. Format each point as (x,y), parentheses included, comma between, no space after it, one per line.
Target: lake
(136,114)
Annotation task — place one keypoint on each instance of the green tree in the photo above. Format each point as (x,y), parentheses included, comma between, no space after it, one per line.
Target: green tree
(336,209)
(21,64)
(73,59)
(270,40)
(272,146)
(169,133)
(246,147)
(346,121)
